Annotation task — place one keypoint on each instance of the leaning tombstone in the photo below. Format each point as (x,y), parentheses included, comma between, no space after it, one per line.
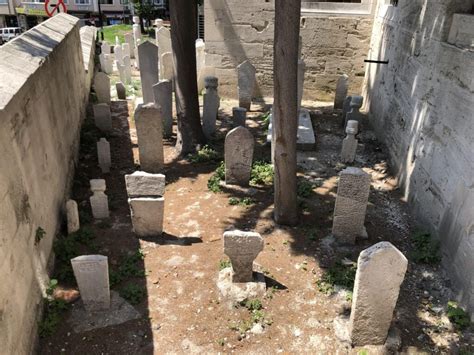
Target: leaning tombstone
(210,107)
(102,87)
(345,109)
(121,91)
(239,116)
(99,202)
(92,276)
(246,82)
(163,93)
(349,144)
(103,153)
(354,113)
(239,146)
(148,54)
(72,213)
(200,56)
(103,117)
(341,91)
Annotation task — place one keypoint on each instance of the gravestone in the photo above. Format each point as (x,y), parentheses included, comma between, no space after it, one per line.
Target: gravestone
(141,183)
(346,107)
(99,202)
(103,153)
(354,113)
(210,107)
(158,23)
(239,116)
(72,213)
(351,204)
(167,71)
(102,87)
(163,40)
(105,48)
(121,70)
(92,276)
(148,54)
(341,91)
(106,65)
(125,49)
(137,33)
(102,117)
(239,145)
(127,69)
(128,38)
(242,248)
(246,82)
(349,144)
(200,56)
(118,53)
(121,91)
(163,93)
(301,71)
(380,272)
(149,125)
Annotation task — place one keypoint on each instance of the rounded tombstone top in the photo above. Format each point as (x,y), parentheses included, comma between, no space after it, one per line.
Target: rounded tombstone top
(357,101)
(97,184)
(352,127)
(211,82)
(199,42)
(158,22)
(136,20)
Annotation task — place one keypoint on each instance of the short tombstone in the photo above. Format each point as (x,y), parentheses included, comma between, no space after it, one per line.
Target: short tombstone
(166,70)
(128,38)
(103,117)
(72,213)
(92,276)
(354,112)
(211,106)
(351,204)
(349,144)
(103,154)
(246,82)
(105,48)
(301,71)
(149,124)
(239,116)
(163,93)
(380,272)
(99,201)
(148,54)
(239,146)
(346,107)
(341,91)
(127,69)
(102,87)
(121,91)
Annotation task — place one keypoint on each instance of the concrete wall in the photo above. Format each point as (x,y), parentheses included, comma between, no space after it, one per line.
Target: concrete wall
(333,44)
(43,97)
(422,106)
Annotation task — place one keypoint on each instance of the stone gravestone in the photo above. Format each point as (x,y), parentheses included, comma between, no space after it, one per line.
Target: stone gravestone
(99,202)
(118,53)
(103,153)
(121,91)
(127,69)
(163,40)
(148,54)
(301,71)
(246,81)
(239,145)
(351,204)
(163,93)
(121,70)
(128,38)
(200,56)
(211,106)
(92,276)
(349,144)
(72,213)
(239,116)
(137,33)
(158,23)
(354,113)
(102,87)
(103,117)
(242,248)
(105,64)
(380,272)
(346,107)
(167,71)
(125,49)
(105,48)
(149,124)
(341,91)
(109,63)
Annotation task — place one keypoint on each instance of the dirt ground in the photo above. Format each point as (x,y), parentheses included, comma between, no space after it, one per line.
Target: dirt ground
(181,311)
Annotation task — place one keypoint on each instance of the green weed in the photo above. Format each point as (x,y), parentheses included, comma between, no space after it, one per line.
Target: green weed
(129,267)
(53,310)
(246,201)
(304,188)
(426,250)
(132,293)
(213,184)
(224,263)
(458,316)
(206,154)
(338,275)
(261,174)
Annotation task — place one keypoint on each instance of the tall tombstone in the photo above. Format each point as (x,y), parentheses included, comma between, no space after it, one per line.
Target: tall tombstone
(105,48)
(166,66)
(349,144)
(210,107)
(346,107)
(200,56)
(301,71)
(92,276)
(354,113)
(239,116)
(341,91)
(99,201)
(103,117)
(118,53)
(128,37)
(163,93)
(242,248)
(121,91)
(121,70)
(102,87)
(163,40)
(72,213)
(104,64)
(351,205)
(246,81)
(239,146)
(127,69)
(103,155)
(149,124)
(137,33)
(125,49)
(380,273)
(148,54)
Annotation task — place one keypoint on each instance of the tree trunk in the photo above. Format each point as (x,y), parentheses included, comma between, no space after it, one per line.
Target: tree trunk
(183,15)
(285,115)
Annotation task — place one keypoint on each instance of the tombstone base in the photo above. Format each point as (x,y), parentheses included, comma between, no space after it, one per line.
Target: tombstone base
(306,139)
(147,215)
(237,292)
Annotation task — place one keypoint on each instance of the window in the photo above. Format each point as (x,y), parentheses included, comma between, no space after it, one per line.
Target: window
(82,2)
(349,7)
(107,2)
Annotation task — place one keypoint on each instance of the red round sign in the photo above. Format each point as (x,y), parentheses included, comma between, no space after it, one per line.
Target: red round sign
(53,7)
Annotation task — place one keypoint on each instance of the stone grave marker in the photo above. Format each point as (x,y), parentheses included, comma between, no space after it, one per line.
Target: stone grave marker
(354,113)
(200,56)
(105,48)
(103,117)
(239,116)
(125,49)
(128,38)
(118,53)
(127,69)
(99,201)
(211,106)
(72,213)
(121,70)
(141,183)
(163,40)
(103,153)
(102,87)
(137,33)
(167,71)
(341,91)
(163,93)
(246,82)
(121,91)
(349,144)
(148,54)
(239,146)
(346,107)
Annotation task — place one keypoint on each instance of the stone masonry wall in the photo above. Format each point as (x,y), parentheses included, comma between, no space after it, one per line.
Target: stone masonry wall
(237,30)
(422,107)
(43,97)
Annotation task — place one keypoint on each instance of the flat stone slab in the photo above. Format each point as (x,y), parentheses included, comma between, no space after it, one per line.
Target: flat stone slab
(306,140)
(143,184)
(237,292)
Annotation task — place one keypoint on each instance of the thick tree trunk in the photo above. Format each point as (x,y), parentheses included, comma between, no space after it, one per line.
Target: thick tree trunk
(285,111)
(183,15)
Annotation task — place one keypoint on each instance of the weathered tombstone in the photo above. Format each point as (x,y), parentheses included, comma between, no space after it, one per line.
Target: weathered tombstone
(380,272)
(121,91)
(148,54)
(72,213)
(349,144)
(167,71)
(103,153)
(210,107)
(121,70)
(137,33)
(301,71)
(341,91)
(128,37)
(242,248)
(141,183)
(118,53)
(103,117)
(149,124)
(351,204)
(163,93)
(105,48)
(99,201)
(200,56)
(127,69)
(103,64)
(246,81)
(92,276)
(239,116)
(239,145)
(354,113)
(158,23)
(163,40)
(102,87)
(125,49)
(109,63)
(345,109)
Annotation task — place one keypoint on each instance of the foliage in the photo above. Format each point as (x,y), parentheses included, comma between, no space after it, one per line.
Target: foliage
(116,30)
(53,283)
(134,89)
(426,250)
(261,174)
(129,267)
(458,316)
(40,234)
(224,263)
(132,293)
(213,184)
(246,201)
(53,310)
(265,119)
(206,154)
(144,9)
(304,188)
(337,275)
(252,305)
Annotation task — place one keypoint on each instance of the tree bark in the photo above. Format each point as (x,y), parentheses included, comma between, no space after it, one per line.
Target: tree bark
(183,15)
(285,111)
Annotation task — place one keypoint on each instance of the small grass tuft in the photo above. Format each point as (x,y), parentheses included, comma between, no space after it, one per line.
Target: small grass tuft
(206,154)
(132,293)
(261,174)
(458,316)
(213,184)
(304,188)
(224,263)
(53,311)
(426,249)
(338,275)
(246,201)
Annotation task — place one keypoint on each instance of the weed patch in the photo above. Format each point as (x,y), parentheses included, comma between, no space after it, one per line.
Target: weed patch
(261,174)
(338,275)
(426,249)
(132,293)
(206,154)
(458,316)
(213,184)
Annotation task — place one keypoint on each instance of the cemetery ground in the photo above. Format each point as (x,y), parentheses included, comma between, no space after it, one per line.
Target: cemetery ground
(171,280)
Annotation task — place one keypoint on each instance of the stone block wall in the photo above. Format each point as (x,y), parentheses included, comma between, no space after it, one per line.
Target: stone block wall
(422,107)
(43,97)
